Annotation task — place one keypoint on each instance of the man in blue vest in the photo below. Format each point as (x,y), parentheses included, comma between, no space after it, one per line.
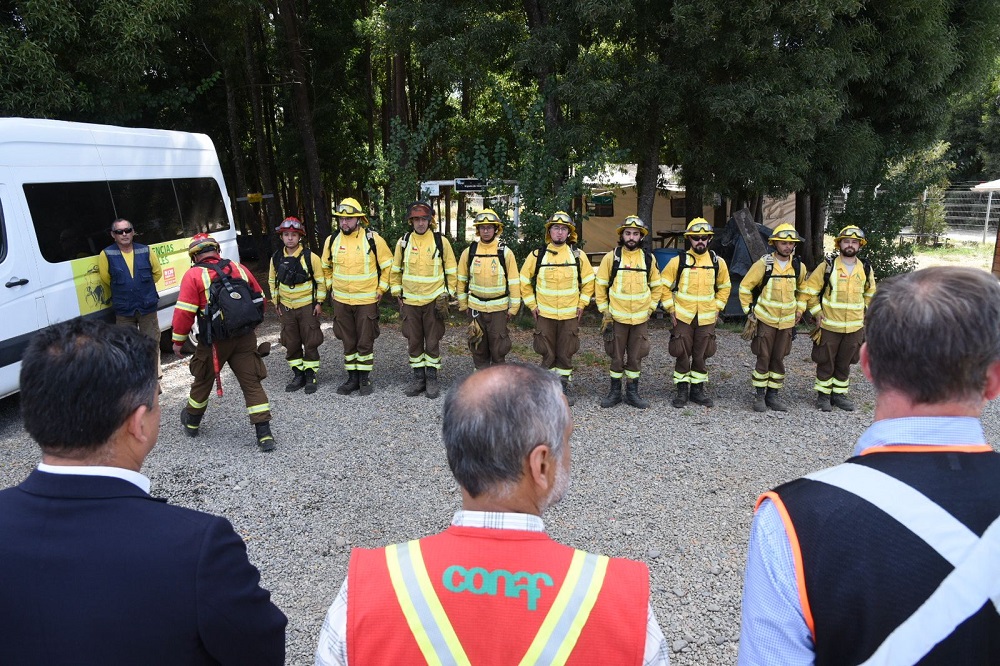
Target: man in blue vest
(894,556)
(130,271)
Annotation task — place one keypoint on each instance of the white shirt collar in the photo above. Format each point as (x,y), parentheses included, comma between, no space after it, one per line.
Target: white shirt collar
(135,478)
(524,522)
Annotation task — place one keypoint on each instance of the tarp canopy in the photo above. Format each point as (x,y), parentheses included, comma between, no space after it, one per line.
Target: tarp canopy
(991,186)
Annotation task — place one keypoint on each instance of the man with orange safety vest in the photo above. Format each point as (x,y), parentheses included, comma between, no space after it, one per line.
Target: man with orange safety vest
(893,557)
(494,588)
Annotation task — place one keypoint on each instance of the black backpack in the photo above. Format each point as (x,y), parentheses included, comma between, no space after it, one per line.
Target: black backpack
(682,258)
(540,253)
(829,269)
(288,270)
(501,256)
(438,245)
(233,309)
(768,271)
(616,265)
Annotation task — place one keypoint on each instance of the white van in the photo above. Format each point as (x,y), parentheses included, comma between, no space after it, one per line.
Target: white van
(61,186)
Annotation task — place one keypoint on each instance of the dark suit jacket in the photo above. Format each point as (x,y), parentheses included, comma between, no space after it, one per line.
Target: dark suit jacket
(95,571)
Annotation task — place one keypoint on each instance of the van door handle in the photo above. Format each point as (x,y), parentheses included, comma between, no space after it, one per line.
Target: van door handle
(16,282)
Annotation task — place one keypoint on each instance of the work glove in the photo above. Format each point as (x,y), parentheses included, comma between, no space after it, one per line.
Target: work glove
(475,333)
(816,335)
(608,327)
(750,328)
(441,306)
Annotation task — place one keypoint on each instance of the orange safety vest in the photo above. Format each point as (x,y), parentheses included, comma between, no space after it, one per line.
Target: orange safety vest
(487,596)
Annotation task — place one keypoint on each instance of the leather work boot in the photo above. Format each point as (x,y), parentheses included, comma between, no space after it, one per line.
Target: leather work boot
(570,399)
(431,389)
(774,402)
(350,384)
(191,422)
(759,402)
(614,395)
(681,398)
(841,401)
(265,440)
(632,396)
(365,383)
(823,402)
(298,380)
(311,381)
(417,384)
(699,396)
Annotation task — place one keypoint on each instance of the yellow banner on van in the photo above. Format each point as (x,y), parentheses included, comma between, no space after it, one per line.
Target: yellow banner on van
(93,295)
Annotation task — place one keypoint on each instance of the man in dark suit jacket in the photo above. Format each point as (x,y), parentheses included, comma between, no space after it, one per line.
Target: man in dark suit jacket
(92,569)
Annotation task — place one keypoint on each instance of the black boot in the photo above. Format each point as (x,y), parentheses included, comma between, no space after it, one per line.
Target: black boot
(350,384)
(365,383)
(699,396)
(774,402)
(191,422)
(841,401)
(312,382)
(614,395)
(417,384)
(265,440)
(570,400)
(681,398)
(823,402)
(760,402)
(431,389)
(298,380)
(632,396)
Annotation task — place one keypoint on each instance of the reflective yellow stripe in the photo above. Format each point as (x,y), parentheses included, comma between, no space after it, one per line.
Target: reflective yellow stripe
(197,405)
(257,409)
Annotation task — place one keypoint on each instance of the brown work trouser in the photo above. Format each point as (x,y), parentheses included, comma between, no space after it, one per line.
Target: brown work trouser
(557,340)
(423,329)
(148,325)
(631,341)
(357,327)
(834,355)
(770,345)
(301,336)
(691,344)
(495,345)
(241,355)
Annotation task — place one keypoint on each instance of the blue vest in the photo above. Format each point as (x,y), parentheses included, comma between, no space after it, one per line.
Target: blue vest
(132,295)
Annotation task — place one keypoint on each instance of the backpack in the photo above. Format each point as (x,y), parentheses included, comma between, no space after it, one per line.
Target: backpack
(540,252)
(233,309)
(768,270)
(617,262)
(288,270)
(501,256)
(405,240)
(682,258)
(829,269)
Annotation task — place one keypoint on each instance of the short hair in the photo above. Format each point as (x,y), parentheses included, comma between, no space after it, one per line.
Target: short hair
(120,219)
(488,434)
(932,334)
(80,381)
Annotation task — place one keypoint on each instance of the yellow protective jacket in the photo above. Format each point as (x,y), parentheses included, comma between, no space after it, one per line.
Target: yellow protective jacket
(631,299)
(781,300)
(483,282)
(697,295)
(563,282)
(846,298)
(301,294)
(418,274)
(351,269)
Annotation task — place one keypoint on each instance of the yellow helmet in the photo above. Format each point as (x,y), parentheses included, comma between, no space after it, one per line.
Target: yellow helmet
(202,243)
(784,232)
(350,207)
(564,218)
(633,222)
(699,226)
(488,216)
(851,231)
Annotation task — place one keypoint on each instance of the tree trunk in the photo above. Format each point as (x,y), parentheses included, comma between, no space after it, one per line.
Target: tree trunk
(693,200)
(818,224)
(447,208)
(647,175)
(242,208)
(803,225)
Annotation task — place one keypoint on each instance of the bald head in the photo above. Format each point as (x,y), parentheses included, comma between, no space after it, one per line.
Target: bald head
(494,418)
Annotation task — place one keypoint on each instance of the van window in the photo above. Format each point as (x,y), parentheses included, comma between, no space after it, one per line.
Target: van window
(71,220)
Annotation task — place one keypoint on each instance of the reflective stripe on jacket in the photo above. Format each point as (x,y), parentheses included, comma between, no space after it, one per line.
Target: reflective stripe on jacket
(631,300)
(349,266)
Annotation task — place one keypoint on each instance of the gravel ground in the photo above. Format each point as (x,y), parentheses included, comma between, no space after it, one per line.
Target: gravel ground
(671,487)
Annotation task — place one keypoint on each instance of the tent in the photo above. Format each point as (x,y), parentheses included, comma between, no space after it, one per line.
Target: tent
(991,186)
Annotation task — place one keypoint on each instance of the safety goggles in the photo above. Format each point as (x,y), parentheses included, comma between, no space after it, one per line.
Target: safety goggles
(291,224)
(119,232)
(633,221)
(487,217)
(700,228)
(561,218)
(786,235)
(348,209)
(852,232)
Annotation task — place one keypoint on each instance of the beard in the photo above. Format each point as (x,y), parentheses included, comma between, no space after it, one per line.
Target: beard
(848,252)
(631,244)
(558,242)
(700,249)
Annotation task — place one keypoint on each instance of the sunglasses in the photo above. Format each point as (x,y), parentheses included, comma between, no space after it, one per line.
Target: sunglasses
(699,238)
(119,232)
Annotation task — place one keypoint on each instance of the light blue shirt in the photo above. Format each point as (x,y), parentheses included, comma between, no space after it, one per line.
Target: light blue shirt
(773,628)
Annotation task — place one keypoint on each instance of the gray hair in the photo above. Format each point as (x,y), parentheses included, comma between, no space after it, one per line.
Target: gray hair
(488,433)
(932,334)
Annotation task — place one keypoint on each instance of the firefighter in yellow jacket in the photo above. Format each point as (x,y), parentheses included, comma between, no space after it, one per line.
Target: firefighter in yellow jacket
(771,295)
(356,263)
(489,289)
(423,279)
(695,290)
(298,290)
(557,283)
(628,289)
(839,291)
